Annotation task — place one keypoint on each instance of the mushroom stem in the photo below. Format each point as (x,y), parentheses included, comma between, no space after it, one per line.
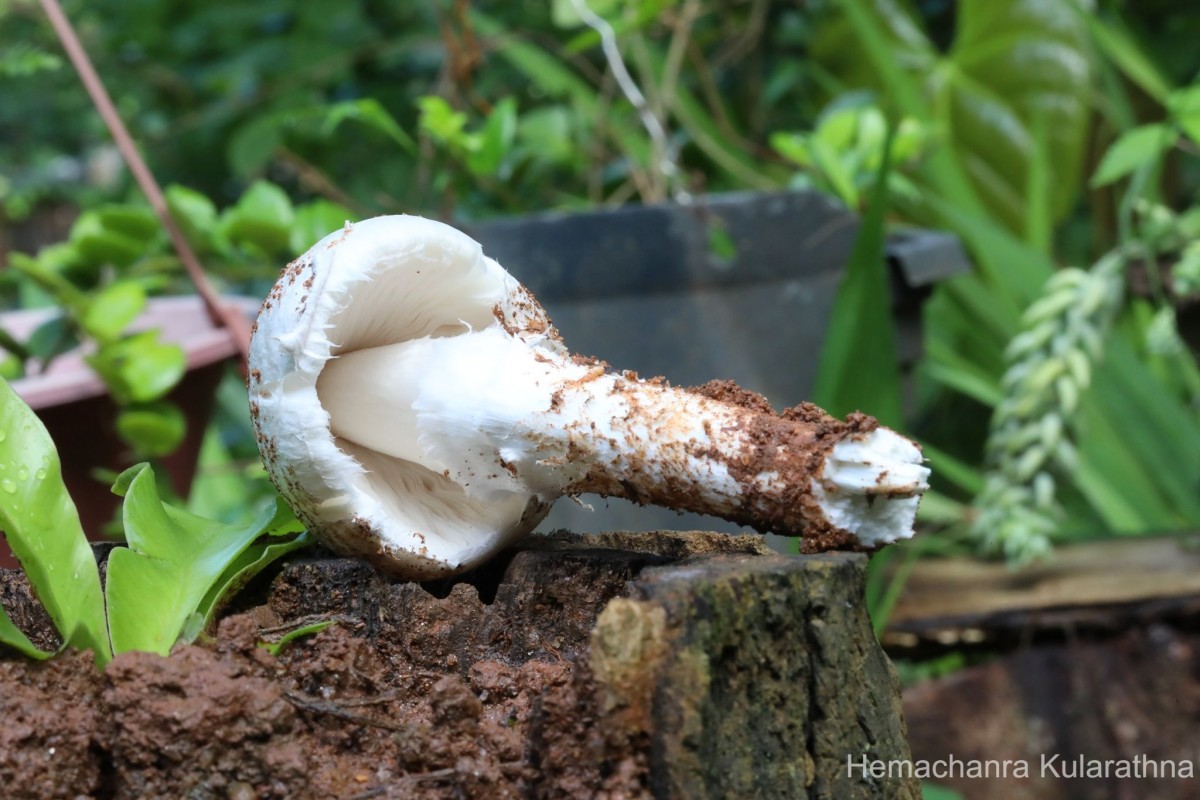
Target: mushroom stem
(495,413)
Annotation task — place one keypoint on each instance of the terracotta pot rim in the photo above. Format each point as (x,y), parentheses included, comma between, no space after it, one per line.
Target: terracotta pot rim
(182,320)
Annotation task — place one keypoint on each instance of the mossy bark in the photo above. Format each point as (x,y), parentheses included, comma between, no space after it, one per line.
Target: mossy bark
(751,676)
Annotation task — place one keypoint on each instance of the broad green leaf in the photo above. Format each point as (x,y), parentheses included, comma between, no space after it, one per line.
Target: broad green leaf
(793,147)
(1010,61)
(153,430)
(11,636)
(1117,43)
(827,160)
(195,215)
(1015,64)
(495,139)
(172,560)
(22,59)
(1039,189)
(962,375)
(249,563)
(369,112)
(545,134)
(441,122)
(858,369)
(12,367)
(1015,273)
(42,528)
(54,283)
(1133,149)
(262,218)
(103,246)
(252,146)
(112,309)
(1184,105)
(137,222)
(139,368)
(53,337)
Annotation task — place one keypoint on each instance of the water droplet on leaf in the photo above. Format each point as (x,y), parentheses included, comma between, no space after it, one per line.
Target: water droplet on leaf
(8,486)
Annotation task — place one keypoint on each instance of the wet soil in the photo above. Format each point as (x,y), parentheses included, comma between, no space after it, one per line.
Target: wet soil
(480,687)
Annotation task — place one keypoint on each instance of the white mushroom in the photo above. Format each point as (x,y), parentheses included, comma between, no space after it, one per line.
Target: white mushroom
(415,405)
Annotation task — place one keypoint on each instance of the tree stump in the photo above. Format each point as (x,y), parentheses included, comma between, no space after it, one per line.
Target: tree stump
(657,665)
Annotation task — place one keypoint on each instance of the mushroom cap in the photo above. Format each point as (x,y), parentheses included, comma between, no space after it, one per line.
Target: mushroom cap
(380,282)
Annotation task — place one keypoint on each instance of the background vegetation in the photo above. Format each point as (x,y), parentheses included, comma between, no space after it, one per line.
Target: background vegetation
(1059,397)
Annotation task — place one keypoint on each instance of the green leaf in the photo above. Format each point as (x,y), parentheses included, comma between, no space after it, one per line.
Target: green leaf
(139,368)
(1118,45)
(153,430)
(113,308)
(262,218)
(12,367)
(172,562)
(441,122)
(829,162)
(42,527)
(1039,188)
(137,222)
(253,145)
(1009,62)
(495,139)
(858,368)
(274,648)
(793,147)
(11,635)
(53,282)
(1133,149)
(369,112)
(1016,65)
(99,245)
(195,215)
(242,570)
(53,337)
(545,134)
(22,59)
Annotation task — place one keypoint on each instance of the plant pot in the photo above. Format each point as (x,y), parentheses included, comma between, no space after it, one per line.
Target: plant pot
(77,410)
(644,288)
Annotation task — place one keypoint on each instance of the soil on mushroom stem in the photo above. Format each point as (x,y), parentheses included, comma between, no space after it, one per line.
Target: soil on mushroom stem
(419,692)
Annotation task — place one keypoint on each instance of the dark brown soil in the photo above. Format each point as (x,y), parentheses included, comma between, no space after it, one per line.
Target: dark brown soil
(481,687)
